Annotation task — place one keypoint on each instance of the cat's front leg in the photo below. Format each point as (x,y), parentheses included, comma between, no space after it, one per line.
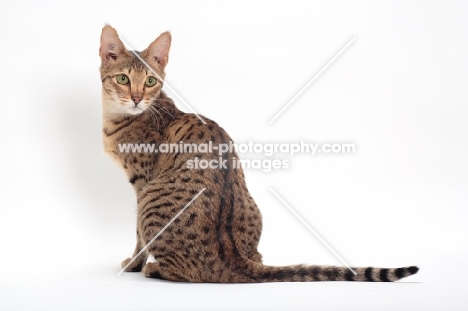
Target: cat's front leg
(139,262)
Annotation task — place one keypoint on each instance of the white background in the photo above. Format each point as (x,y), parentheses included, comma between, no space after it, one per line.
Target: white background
(67,212)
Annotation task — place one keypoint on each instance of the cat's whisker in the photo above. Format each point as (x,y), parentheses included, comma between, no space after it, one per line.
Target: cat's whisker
(110,110)
(153,117)
(157,120)
(160,115)
(164,110)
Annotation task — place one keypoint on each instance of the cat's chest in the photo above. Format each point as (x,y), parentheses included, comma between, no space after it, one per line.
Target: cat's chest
(111,149)
(134,162)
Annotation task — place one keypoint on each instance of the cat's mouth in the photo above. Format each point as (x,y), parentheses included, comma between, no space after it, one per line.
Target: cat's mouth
(134,110)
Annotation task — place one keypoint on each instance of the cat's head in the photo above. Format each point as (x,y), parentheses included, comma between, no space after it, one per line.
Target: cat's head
(128,85)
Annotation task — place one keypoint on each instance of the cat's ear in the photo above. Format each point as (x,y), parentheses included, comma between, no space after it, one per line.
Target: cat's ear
(111,46)
(158,51)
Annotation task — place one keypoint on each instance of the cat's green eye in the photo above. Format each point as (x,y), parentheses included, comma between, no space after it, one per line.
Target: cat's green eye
(122,79)
(150,81)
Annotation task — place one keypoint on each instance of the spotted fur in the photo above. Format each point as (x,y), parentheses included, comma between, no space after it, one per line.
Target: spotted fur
(216,238)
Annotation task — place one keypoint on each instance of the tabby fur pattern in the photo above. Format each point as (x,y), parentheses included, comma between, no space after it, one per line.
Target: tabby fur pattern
(216,238)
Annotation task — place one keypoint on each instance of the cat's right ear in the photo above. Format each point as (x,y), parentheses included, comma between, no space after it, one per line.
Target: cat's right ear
(111,46)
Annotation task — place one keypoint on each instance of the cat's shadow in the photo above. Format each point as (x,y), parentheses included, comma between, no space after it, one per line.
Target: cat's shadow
(100,185)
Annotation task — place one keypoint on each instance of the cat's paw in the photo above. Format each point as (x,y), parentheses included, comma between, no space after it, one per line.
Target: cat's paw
(151,270)
(135,266)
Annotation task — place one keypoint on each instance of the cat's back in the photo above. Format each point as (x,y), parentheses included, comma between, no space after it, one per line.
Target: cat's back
(192,128)
(189,142)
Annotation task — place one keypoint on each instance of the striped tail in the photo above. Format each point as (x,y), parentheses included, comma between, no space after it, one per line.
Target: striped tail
(304,273)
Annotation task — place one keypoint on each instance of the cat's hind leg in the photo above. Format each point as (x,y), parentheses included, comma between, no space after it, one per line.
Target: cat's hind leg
(163,271)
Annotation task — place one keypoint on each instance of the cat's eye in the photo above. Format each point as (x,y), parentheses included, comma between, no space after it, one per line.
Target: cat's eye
(122,79)
(150,81)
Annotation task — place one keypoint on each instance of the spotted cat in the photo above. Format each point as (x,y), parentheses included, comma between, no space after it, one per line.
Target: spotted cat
(215,239)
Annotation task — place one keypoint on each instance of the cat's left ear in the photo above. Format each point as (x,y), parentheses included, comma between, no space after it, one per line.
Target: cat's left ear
(158,51)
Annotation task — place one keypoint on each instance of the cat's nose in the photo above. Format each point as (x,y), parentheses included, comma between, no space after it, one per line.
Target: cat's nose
(136,100)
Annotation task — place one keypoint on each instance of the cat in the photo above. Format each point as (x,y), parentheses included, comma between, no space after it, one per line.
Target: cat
(215,239)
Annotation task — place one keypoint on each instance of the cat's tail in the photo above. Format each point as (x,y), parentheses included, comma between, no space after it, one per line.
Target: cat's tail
(257,272)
